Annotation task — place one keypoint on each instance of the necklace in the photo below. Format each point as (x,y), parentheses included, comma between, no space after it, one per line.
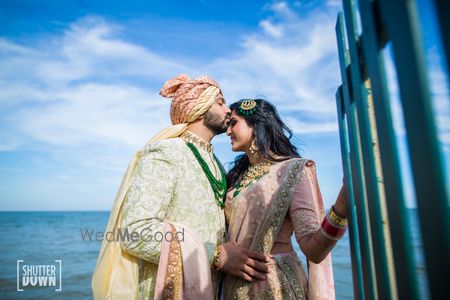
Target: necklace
(252,174)
(219,187)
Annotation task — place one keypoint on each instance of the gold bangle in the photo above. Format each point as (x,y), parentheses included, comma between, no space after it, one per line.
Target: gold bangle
(336,219)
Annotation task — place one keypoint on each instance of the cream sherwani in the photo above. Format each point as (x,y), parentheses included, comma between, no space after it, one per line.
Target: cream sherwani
(170,185)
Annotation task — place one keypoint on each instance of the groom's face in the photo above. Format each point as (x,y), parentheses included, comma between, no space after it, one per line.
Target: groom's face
(218,116)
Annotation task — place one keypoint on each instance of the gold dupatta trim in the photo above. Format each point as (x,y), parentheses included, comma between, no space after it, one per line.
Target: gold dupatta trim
(286,265)
(274,217)
(173,282)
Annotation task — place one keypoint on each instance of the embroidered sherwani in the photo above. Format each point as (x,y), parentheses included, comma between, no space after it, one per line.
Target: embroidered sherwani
(169,185)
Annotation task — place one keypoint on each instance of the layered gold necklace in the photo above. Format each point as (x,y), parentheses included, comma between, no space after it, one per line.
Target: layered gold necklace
(252,174)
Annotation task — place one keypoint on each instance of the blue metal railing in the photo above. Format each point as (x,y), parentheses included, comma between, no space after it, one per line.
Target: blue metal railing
(381,241)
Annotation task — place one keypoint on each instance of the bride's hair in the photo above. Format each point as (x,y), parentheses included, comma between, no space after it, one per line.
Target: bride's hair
(272,137)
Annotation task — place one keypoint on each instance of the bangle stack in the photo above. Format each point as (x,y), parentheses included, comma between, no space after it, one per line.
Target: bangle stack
(216,259)
(333,226)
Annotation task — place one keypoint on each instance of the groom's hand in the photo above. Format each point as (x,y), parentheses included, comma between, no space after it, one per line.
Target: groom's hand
(241,262)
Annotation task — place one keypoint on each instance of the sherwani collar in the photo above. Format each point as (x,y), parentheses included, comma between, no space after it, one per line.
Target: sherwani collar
(197,141)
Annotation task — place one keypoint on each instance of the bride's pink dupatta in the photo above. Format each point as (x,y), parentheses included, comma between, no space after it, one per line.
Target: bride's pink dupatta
(184,271)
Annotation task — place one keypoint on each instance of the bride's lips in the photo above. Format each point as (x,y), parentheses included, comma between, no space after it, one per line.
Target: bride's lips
(232,140)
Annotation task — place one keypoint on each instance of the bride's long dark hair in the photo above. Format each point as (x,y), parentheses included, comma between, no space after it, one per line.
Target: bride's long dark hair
(272,137)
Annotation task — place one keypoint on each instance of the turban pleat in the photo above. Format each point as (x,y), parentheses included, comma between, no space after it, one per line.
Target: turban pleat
(191,99)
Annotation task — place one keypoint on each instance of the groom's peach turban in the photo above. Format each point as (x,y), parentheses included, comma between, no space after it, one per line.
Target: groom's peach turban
(191,99)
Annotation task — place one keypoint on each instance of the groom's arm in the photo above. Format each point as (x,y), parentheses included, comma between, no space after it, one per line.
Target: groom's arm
(148,200)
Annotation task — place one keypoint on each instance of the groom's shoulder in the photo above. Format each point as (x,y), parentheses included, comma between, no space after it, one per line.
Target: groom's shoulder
(167,147)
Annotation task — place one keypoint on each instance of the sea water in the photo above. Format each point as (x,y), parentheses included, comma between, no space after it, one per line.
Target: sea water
(41,238)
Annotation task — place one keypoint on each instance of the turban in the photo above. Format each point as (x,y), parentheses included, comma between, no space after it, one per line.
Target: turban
(191,99)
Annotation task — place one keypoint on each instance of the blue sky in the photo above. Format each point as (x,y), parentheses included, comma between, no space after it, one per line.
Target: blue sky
(79,83)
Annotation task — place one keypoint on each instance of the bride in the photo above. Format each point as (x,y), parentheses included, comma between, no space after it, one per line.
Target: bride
(272,194)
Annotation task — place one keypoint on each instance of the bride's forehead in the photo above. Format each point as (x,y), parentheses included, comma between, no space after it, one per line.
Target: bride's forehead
(235,114)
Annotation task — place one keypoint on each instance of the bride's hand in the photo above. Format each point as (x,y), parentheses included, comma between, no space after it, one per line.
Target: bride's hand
(340,207)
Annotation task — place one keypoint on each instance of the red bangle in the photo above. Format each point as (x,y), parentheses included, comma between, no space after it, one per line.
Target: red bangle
(332,231)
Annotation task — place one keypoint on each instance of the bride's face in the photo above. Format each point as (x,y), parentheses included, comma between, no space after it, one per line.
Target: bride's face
(239,132)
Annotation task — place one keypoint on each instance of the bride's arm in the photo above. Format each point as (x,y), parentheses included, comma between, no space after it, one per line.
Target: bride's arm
(307,214)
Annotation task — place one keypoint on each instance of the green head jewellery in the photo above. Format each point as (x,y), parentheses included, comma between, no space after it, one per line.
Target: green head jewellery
(247,107)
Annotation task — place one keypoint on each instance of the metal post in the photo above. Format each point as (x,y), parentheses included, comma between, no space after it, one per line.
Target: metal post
(357,269)
(401,22)
(406,276)
(357,170)
(385,279)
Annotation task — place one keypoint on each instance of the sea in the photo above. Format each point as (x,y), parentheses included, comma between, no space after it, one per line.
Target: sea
(54,240)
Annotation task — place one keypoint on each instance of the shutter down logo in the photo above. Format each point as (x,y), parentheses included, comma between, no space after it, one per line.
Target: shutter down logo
(45,275)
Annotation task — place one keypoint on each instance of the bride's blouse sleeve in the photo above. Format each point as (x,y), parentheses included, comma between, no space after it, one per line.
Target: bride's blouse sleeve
(304,211)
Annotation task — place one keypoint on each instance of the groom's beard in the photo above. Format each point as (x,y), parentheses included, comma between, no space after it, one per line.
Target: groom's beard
(215,123)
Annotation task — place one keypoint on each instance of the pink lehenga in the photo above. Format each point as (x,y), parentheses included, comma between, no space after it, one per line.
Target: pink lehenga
(284,201)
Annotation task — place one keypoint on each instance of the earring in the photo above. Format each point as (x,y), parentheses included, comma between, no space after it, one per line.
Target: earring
(254,149)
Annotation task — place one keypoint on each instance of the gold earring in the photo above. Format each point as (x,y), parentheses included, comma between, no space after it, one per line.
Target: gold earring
(254,149)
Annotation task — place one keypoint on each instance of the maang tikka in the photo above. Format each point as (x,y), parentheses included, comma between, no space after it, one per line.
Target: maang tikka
(247,107)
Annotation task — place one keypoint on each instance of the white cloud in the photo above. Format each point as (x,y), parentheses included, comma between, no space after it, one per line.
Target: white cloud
(334,3)
(302,128)
(271,29)
(282,9)
(95,114)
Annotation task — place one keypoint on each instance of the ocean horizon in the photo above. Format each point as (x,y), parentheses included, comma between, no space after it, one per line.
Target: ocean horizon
(47,237)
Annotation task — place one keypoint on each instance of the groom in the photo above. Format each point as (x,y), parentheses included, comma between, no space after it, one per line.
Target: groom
(177,190)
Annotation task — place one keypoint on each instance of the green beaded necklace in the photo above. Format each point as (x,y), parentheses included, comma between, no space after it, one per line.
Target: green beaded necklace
(219,186)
